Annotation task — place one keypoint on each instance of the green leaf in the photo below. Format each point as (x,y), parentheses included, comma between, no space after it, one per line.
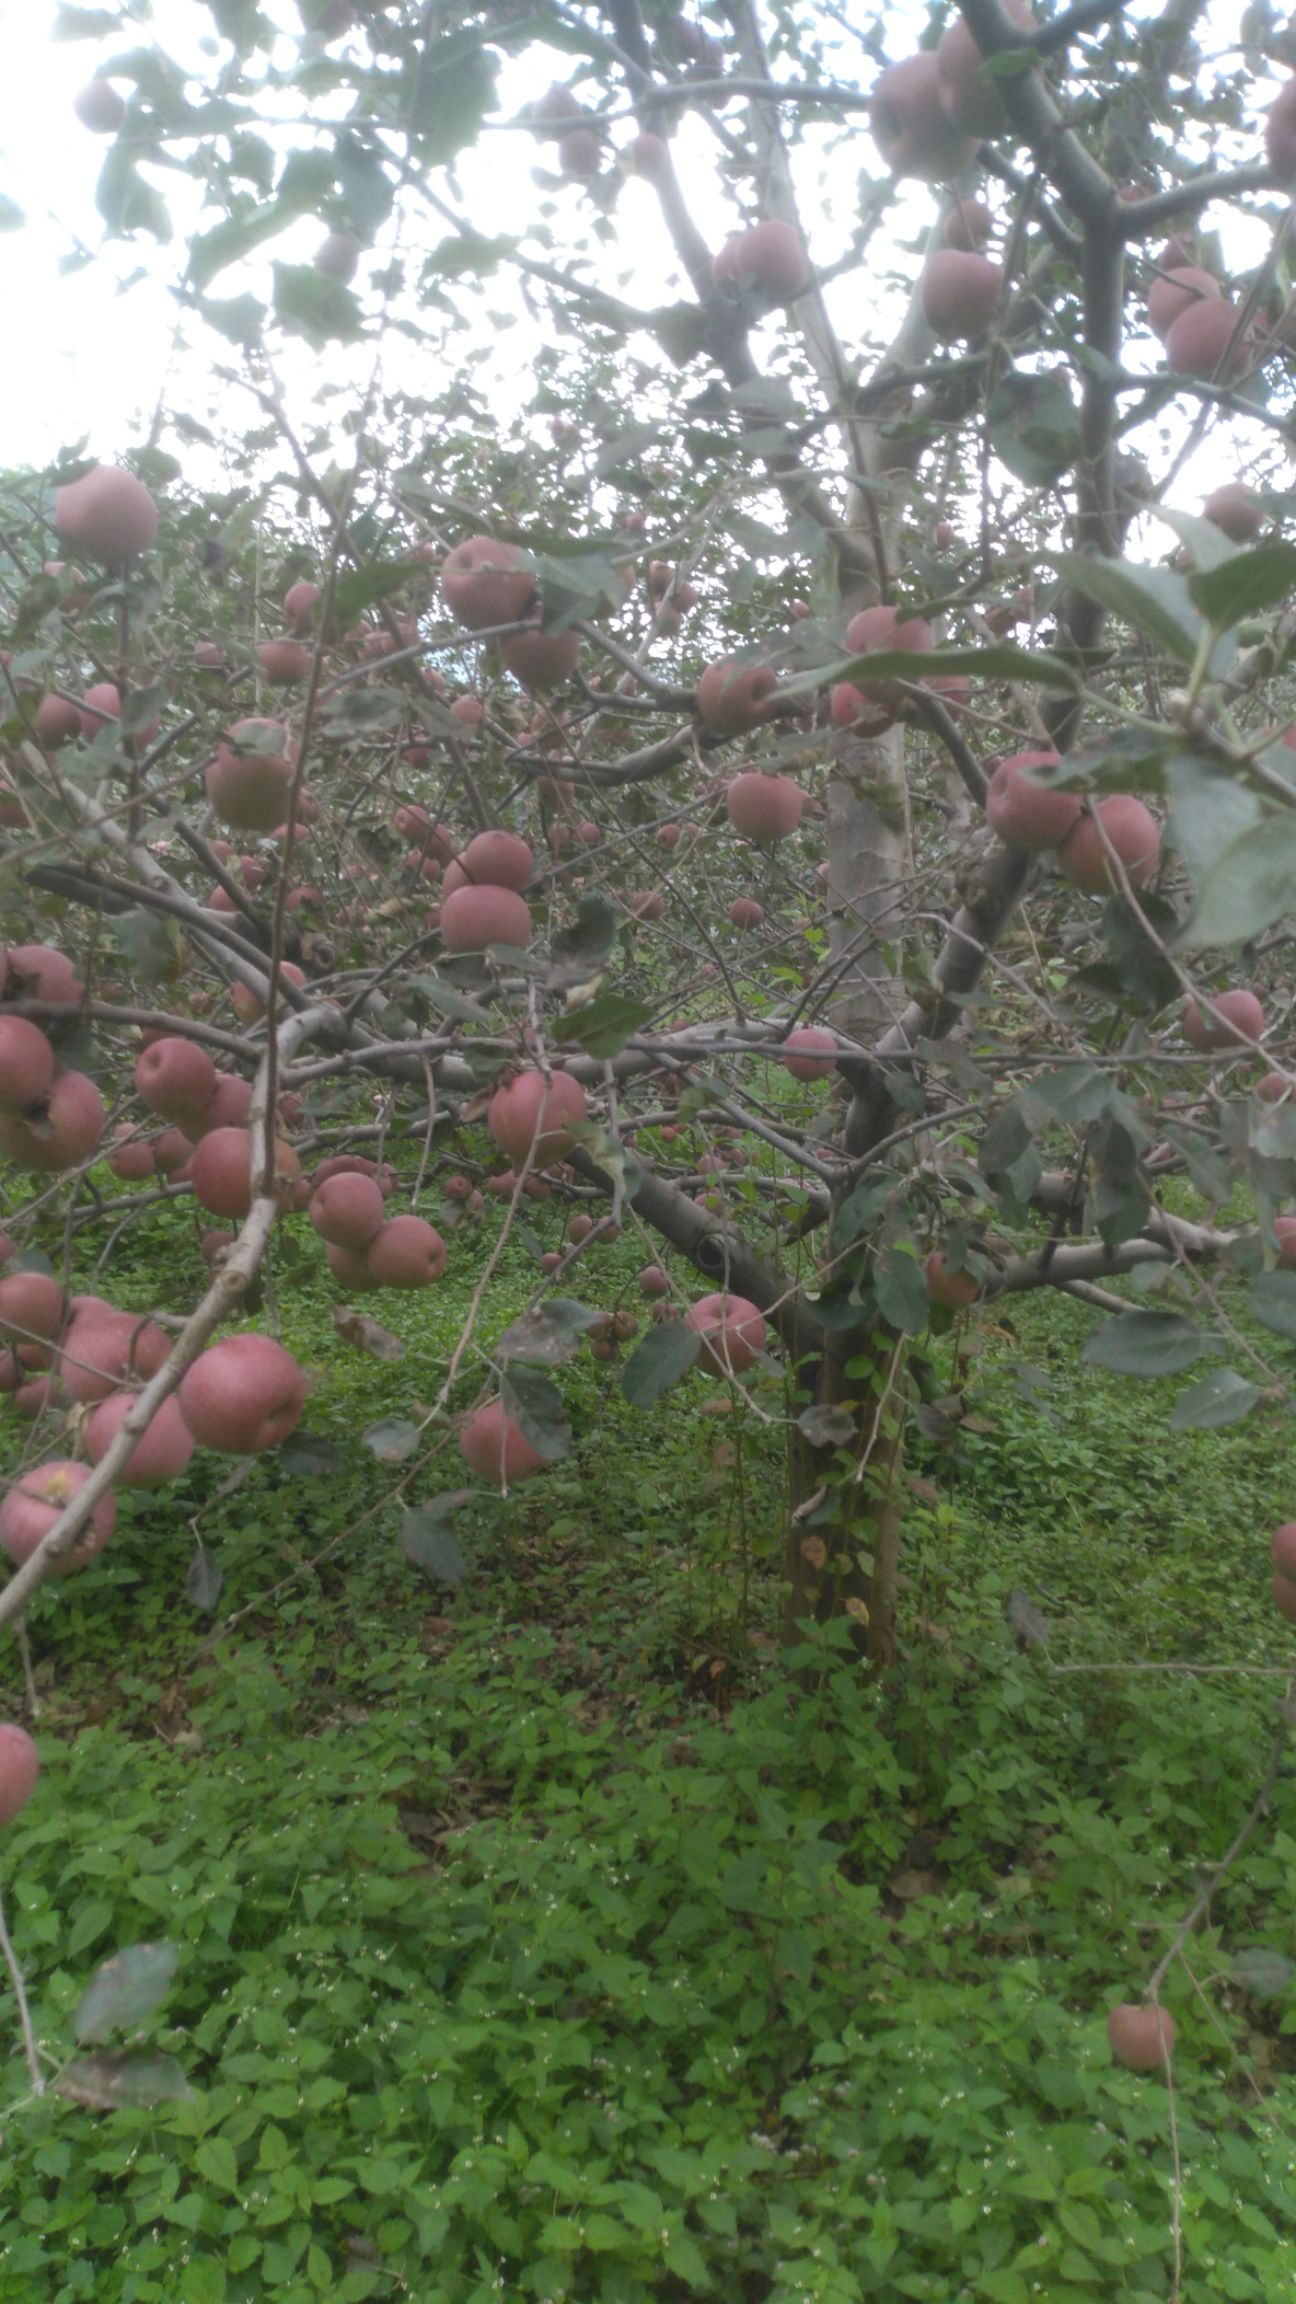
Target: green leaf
(363,586)
(152,947)
(537,1407)
(236,237)
(1145,1344)
(826,1427)
(583,950)
(126,202)
(548,1335)
(1271,1299)
(1262,1972)
(307,303)
(661,1357)
(204,1580)
(1033,426)
(1209,809)
(451,87)
(85,23)
(238,318)
(1004,661)
(308,1457)
(124,1990)
(393,1440)
(428,1541)
(1154,602)
(216,2162)
(1221,1398)
(106,2082)
(604,1027)
(1250,886)
(900,1289)
(1245,584)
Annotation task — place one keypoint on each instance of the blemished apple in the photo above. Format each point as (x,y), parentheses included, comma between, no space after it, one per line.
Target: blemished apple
(764,807)
(494,1446)
(39,972)
(1140,2037)
(909,124)
(477,916)
(162,1451)
(746,913)
(408,1252)
(960,293)
(243,1395)
(19,1769)
(347,1210)
(176,1079)
(769,256)
(249,778)
(38,1500)
(227,1167)
(810,1052)
(26,1064)
(540,660)
(1024,814)
(732,1330)
(100,107)
(485,582)
(1127,828)
(66,1131)
(502,859)
(969,92)
(107,514)
(32,1308)
(954,1290)
(531,1117)
(1231,1020)
(1172,293)
(732,699)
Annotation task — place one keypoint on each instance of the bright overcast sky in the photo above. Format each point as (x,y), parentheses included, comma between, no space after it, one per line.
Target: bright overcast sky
(90,352)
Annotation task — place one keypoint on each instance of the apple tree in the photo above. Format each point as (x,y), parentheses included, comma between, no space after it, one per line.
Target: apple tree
(706,649)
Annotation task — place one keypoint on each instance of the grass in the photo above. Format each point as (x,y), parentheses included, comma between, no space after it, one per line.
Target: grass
(543,1938)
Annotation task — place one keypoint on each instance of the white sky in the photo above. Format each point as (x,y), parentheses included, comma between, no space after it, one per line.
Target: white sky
(88,354)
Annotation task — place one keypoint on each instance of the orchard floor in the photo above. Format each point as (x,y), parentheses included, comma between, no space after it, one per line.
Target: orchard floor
(540,1939)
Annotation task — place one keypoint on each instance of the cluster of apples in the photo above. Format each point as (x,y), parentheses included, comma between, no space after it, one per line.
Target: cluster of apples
(928,113)
(1090,843)
(489,585)
(50,1119)
(480,884)
(240,1396)
(365,1247)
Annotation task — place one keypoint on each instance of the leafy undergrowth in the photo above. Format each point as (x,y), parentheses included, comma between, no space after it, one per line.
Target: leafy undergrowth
(543,1939)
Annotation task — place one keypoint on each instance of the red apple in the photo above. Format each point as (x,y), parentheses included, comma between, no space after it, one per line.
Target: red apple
(810,1052)
(176,1079)
(104,1349)
(32,1306)
(1026,815)
(530,1118)
(131,1157)
(66,1132)
(1140,2038)
(960,294)
(243,1395)
(494,1447)
(764,807)
(968,226)
(299,603)
(909,124)
(955,1290)
(500,858)
(1201,342)
(969,92)
(769,256)
(38,972)
(653,1282)
(734,698)
(19,1768)
(162,1451)
(250,777)
(100,107)
(1237,510)
(746,913)
(38,1500)
(485,582)
(475,917)
(338,256)
(107,513)
(1128,828)
(1237,1021)
(1173,293)
(407,1253)
(227,1166)
(347,1210)
(732,1329)
(540,660)
(171,1151)
(285,663)
(58,720)
(249,1006)
(26,1064)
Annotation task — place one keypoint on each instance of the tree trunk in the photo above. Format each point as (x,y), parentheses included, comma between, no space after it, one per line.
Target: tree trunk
(844,1502)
